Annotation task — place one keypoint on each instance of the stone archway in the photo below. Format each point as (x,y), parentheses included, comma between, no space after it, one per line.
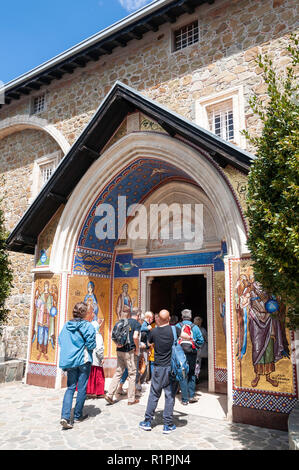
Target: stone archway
(106,168)
(150,145)
(23,121)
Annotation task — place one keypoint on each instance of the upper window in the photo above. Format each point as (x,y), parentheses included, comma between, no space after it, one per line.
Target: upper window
(185,36)
(46,171)
(43,169)
(223,114)
(221,119)
(38,104)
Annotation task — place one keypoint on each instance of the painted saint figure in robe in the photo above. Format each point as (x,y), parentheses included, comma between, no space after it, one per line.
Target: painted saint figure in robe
(92,303)
(267,333)
(242,294)
(124,302)
(45,310)
(265,319)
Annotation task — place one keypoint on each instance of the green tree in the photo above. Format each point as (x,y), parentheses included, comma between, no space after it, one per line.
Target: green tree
(5,271)
(273,186)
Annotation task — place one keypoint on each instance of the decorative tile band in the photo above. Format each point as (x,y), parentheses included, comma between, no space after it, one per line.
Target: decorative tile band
(221,375)
(42,369)
(85,273)
(263,401)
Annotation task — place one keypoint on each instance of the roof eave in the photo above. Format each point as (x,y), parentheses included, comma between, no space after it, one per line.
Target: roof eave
(117,104)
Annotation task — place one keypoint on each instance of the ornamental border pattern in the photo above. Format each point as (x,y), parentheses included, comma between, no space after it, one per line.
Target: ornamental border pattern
(42,369)
(264,401)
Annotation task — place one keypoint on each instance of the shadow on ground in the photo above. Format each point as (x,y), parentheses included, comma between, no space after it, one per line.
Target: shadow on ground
(177,415)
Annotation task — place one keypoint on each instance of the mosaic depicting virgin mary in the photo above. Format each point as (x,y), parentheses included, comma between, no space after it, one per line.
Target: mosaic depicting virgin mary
(92,303)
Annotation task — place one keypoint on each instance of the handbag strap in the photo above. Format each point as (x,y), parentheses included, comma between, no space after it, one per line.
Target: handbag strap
(175,336)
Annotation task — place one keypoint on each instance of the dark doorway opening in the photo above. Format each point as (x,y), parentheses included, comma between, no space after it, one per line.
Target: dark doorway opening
(175,293)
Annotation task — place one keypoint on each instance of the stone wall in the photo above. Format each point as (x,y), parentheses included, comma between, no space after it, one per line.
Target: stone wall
(232,34)
(17,155)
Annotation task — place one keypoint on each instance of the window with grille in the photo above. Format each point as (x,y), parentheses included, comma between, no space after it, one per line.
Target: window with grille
(186,36)
(47,171)
(221,119)
(38,104)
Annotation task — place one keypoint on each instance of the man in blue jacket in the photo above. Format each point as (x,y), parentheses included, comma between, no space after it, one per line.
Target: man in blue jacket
(77,341)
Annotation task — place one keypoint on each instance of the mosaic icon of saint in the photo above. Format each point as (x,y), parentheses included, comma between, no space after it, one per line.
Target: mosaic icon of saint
(124,302)
(91,300)
(92,304)
(264,318)
(45,310)
(267,334)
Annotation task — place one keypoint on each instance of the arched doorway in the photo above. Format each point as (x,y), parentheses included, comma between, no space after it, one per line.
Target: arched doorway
(141,166)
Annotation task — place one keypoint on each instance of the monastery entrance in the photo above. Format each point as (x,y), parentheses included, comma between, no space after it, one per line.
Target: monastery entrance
(175,293)
(116,271)
(125,159)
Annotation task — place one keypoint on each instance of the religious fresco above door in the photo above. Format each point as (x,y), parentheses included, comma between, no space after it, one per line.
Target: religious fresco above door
(95,292)
(261,341)
(45,319)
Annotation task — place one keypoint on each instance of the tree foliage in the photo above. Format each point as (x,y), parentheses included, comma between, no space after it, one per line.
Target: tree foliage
(5,271)
(273,186)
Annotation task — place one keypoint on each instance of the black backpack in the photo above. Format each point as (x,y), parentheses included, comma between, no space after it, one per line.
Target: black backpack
(120,333)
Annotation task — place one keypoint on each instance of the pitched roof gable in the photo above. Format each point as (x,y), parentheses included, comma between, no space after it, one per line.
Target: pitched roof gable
(119,102)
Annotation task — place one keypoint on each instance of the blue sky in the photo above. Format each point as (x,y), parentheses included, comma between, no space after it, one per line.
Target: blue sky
(34,31)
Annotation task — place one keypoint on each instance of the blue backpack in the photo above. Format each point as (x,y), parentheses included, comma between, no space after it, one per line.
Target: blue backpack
(179,364)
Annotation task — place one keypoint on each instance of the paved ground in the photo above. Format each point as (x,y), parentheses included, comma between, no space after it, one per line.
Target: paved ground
(29,419)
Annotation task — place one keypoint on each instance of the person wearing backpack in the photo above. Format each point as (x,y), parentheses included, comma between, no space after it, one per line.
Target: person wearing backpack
(190,339)
(162,338)
(125,334)
(77,341)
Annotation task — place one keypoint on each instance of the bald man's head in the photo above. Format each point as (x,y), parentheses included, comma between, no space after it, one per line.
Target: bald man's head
(164,317)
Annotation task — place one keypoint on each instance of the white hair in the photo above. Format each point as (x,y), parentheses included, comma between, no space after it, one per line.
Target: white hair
(186,314)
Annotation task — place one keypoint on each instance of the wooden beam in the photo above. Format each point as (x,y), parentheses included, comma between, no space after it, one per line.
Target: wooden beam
(25,239)
(106,50)
(188,8)
(169,17)
(135,35)
(57,197)
(56,74)
(120,42)
(80,61)
(68,68)
(94,55)
(33,85)
(92,152)
(13,95)
(24,91)
(45,80)
(150,26)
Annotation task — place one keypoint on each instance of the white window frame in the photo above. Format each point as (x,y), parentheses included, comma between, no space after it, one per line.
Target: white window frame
(180,24)
(37,184)
(237,96)
(37,95)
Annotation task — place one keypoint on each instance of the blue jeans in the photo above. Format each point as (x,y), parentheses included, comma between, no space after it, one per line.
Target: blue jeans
(188,384)
(76,375)
(124,376)
(161,381)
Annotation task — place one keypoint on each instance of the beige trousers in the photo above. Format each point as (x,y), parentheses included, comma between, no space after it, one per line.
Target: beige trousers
(124,360)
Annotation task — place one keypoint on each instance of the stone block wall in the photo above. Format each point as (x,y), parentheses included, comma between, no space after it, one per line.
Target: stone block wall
(232,34)
(18,152)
